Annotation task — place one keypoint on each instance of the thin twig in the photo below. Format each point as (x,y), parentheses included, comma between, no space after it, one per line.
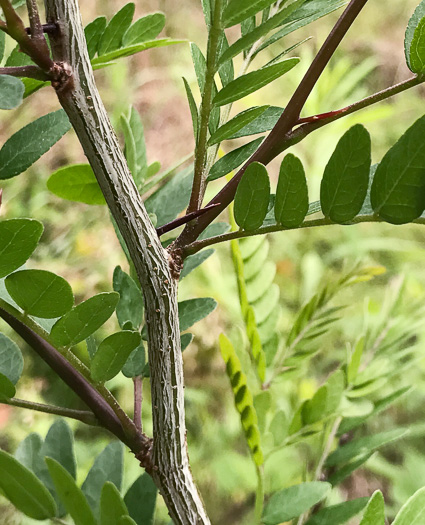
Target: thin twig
(182,220)
(84,416)
(25,72)
(37,34)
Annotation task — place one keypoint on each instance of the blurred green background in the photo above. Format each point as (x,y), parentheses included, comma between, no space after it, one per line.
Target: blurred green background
(79,244)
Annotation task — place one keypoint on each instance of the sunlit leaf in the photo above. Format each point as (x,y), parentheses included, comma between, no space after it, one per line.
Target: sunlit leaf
(291,204)
(93,33)
(252,197)
(113,35)
(144,29)
(413,41)
(374,513)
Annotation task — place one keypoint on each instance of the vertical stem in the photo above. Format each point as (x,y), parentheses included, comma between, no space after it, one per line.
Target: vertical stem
(214,36)
(84,107)
(37,35)
(259,495)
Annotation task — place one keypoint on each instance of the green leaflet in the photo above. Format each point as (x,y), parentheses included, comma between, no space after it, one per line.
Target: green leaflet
(346,177)
(144,29)
(279,427)
(354,363)
(363,445)
(417,49)
(375,510)
(135,136)
(28,144)
(250,82)
(84,319)
(24,490)
(11,91)
(112,506)
(238,10)
(11,360)
(193,310)
(226,71)
(338,514)
(233,160)
(130,306)
(112,354)
(126,520)
(70,494)
(413,511)
(132,50)
(235,124)
(413,38)
(291,204)
(252,197)
(112,37)
(264,122)
(2,44)
(59,445)
(135,363)
(76,183)
(18,239)
(193,108)
(259,32)
(93,33)
(199,64)
(398,188)
(40,293)
(314,409)
(107,468)
(243,398)
(141,500)
(291,502)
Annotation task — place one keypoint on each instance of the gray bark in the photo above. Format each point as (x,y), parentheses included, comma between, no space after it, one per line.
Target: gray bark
(79,97)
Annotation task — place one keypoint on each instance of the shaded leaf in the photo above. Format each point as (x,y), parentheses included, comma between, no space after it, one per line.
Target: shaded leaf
(135,363)
(76,183)
(291,204)
(130,306)
(238,10)
(59,445)
(250,82)
(11,91)
(193,108)
(193,310)
(7,388)
(193,261)
(11,360)
(112,354)
(40,293)
(24,490)
(398,188)
(265,122)
(112,506)
(141,500)
(291,502)
(417,49)
(413,35)
(18,239)
(252,197)
(346,177)
(132,50)
(28,144)
(107,467)
(84,319)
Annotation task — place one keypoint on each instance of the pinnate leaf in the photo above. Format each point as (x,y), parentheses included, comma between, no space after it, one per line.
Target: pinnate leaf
(144,29)
(250,82)
(76,183)
(70,494)
(374,513)
(24,490)
(252,197)
(398,188)
(11,92)
(346,177)
(84,319)
(112,354)
(291,502)
(29,143)
(193,310)
(291,204)
(40,293)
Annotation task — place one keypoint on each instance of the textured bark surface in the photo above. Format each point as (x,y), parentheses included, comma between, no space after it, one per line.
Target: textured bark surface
(79,97)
